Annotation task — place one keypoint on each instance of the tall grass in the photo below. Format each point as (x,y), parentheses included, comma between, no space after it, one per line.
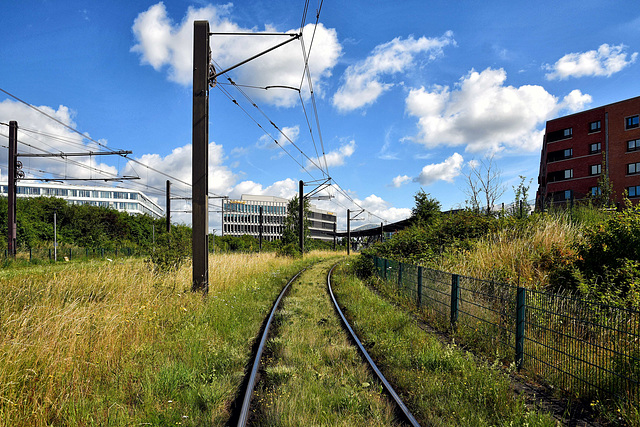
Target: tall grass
(524,253)
(109,343)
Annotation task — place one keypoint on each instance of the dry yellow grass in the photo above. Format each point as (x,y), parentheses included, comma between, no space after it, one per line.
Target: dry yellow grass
(68,332)
(517,252)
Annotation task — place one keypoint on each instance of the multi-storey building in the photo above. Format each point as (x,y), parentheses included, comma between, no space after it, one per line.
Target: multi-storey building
(240,217)
(578,149)
(124,200)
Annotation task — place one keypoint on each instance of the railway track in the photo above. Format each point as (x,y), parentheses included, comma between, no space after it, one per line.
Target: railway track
(243,416)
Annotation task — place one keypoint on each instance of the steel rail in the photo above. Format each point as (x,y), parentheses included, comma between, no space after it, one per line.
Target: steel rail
(244,412)
(410,418)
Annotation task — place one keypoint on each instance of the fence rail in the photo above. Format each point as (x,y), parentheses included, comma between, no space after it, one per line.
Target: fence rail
(588,349)
(67,254)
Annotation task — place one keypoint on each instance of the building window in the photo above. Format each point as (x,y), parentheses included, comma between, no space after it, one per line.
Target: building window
(595,191)
(560,175)
(634,191)
(559,135)
(595,148)
(594,126)
(633,168)
(568,174)
(632,122)
(595,169)
(556,156)
(568,194)
(633,145)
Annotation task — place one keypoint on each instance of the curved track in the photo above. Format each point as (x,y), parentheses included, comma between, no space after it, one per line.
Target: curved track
(244,412)
(410,418)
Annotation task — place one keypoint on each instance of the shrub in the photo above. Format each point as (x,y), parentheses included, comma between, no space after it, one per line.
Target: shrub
(289,250)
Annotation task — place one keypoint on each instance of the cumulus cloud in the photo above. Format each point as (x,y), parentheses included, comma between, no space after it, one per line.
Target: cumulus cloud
(363,83)
(288,135)
(161,43)
(399,180)
(334,158)
(178,165)
(445,171)
(605,61)
(37,130)
(484,114)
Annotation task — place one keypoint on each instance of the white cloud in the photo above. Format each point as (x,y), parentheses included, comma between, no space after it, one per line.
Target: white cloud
(445,171)
(283,138)
(362,81)
(334,158)
(484,114)
(605,61)
(400,179)
(161,42)
(178,164)
(37,130)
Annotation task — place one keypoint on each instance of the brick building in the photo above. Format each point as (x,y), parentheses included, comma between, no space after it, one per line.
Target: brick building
(579,148)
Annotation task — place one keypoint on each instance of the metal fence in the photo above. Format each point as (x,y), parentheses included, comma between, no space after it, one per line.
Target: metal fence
(67,254)
(588,349)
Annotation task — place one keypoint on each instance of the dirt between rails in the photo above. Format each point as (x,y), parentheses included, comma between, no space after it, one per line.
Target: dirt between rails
(538,396)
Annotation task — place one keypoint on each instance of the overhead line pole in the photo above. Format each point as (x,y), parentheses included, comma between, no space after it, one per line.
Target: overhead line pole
(168,194)
(200,157)
(12,190)
(301,216)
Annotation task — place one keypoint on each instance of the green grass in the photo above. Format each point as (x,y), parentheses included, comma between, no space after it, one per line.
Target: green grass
(313,375)
(441,384)
(112,344)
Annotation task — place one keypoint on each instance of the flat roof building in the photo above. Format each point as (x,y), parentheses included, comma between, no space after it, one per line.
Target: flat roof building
(578,149)
(121,199)
(242,217)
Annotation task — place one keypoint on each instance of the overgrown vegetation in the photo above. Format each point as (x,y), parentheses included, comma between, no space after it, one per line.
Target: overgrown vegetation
(585,250)
(110,343)
(441,384)
(313,375)
(80,225)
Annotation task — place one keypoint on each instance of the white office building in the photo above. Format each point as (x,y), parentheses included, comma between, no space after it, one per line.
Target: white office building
(123,200)
(242,217)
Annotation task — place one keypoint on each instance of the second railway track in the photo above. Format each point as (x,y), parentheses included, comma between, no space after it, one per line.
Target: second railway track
(309,371)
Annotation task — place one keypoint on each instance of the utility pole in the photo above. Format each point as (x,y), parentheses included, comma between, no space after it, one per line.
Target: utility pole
(200,157)
(168,206)
(381,232)
(348,232)
(260,227)
(12,190)
(55,235)
(301,216)
(334,234)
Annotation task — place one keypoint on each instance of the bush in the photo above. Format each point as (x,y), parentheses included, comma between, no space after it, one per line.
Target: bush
(289,250)
(364,266)
(170,252)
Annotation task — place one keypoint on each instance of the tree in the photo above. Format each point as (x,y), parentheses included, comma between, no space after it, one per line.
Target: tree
(484,184)
(291,233)
(521,196)
(604,193)
(426,207)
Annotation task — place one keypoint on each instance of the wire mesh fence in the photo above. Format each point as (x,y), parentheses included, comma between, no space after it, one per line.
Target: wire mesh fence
(72,253)
(588,349)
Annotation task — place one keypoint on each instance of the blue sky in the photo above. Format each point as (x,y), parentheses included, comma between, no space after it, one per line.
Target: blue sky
(409,94)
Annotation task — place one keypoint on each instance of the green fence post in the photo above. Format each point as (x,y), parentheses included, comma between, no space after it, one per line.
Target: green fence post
(29,254)
(386,268)
(419,286)
(455,298)
(521,300)
(399,275)
(69,254)
(49,254)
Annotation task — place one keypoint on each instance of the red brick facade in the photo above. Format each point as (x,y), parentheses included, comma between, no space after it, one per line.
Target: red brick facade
(578,148)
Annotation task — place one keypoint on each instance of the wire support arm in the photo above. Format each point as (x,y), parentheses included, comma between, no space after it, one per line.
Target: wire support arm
(212,78)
